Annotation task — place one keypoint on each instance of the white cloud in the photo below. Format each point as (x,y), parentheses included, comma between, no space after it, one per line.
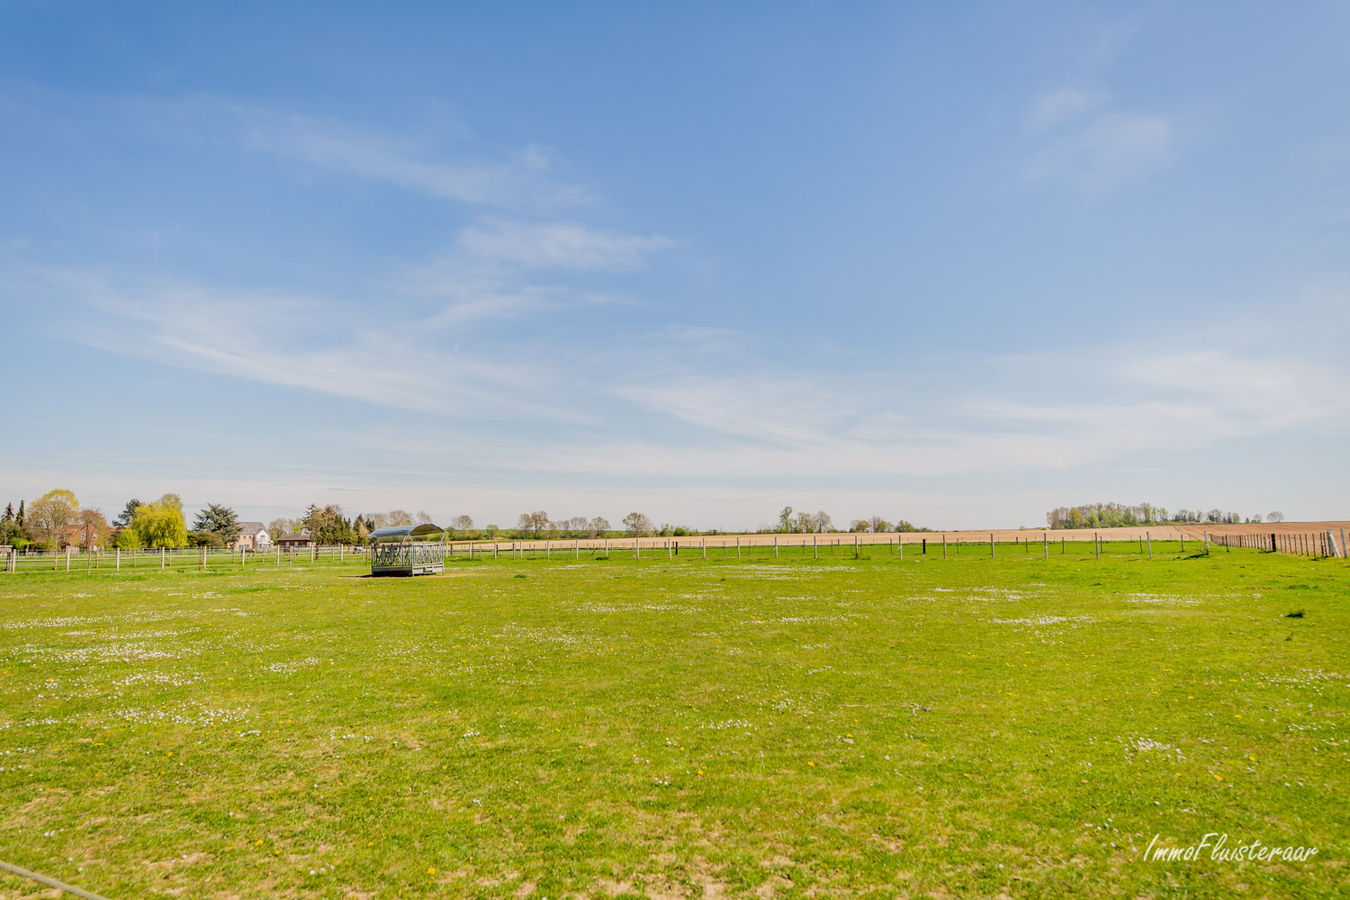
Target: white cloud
(1100,150)
(1079,139)
(559,245)
(524,180)
(1055,107)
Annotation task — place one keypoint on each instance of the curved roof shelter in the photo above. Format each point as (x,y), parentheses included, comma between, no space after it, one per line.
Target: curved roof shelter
(396,551)
(396,532)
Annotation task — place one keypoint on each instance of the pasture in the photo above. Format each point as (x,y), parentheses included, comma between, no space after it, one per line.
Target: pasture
(759,727)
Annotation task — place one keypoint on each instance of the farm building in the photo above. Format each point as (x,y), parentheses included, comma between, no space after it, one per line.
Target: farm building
(299,540)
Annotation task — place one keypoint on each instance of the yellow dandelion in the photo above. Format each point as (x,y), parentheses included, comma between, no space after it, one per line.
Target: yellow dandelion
(810,763)
(431,870)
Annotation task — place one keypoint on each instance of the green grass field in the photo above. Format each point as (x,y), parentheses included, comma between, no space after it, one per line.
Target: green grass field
(761,728)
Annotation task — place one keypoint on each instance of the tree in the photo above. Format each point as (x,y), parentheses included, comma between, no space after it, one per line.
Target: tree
(207,539)
(598,527)
(327,524)
(532,524)
(422,518)
(19,517)
(128,513)
(160,524)
(637,524)
(280,527)
(390,519)
(94,530)
(1276,516)
(462,523)
(10,532)
(785,519)
(878,524)
(219,520)
(52,515)
(823,522)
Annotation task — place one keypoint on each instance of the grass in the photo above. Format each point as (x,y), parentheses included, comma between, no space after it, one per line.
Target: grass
(789,727)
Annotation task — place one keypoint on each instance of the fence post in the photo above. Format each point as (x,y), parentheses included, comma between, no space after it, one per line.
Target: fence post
(1206,534)
(900,545)
(855,547)
(991,545)
(815,546)
(1149,538)
(944,545)
(637,547)
(161,559)
(1046,537)
(738,546)
(775,546)
(1097,543)
(705,547)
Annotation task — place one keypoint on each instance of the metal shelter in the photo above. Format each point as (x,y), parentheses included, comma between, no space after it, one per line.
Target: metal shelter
(396,551)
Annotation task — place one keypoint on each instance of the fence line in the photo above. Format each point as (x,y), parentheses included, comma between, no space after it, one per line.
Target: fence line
(946,544)
(1316,544)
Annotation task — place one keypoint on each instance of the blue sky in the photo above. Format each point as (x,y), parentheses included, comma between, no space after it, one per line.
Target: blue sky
(958,264)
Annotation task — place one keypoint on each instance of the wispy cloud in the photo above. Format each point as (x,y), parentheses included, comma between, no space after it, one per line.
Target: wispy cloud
(559,245)
(1078,137)
(525,179)
(302,342)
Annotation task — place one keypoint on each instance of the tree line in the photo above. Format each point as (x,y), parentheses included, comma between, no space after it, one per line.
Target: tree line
(57,520)
(1120,515)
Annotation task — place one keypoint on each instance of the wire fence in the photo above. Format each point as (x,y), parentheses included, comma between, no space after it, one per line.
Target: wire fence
(944,545)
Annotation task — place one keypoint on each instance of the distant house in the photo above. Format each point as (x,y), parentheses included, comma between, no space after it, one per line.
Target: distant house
(295,541)
(252,536)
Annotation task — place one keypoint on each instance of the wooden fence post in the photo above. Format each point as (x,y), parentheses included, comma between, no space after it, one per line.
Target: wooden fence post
(815,547)
(1045,535)
(900,545)
(705,547)
(991,545)
(944,545)
(855,547)
(1097,543)
(1149,538)
(738,546)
